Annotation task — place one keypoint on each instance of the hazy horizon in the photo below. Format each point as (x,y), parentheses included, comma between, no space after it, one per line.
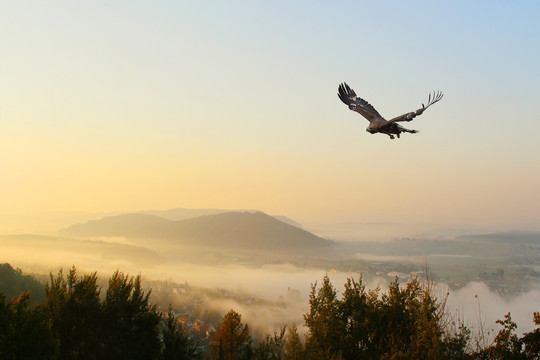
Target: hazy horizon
(49,222)
(474,304)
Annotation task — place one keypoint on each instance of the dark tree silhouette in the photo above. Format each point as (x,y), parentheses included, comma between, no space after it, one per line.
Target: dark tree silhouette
(176,343)
(131,322)
(24,331)
(74,309)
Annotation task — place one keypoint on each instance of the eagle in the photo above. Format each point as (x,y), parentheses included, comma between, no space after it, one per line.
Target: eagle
(378,124)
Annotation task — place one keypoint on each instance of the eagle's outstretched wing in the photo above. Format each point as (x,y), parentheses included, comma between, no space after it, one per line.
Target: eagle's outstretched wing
(355,103)
(433,98)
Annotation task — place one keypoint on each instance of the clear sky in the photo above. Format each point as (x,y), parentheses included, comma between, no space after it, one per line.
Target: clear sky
(134,105)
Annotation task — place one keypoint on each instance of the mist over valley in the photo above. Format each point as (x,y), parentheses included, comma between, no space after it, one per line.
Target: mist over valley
(265,266)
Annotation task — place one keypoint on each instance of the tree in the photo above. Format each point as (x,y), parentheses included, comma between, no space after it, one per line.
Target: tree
(531,340)
(176,343)
(324,322)
(271,348)
(414,320)
(132,323)
(507,345)
(231,341)
(359,309)
(24,331)
(404,323)
(455,343)
(294,349)
(124,325)
(74,311)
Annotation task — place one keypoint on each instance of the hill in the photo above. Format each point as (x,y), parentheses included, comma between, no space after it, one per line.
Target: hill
(184,213)
(31,248)
(249,230)
(13,283)
(134,225)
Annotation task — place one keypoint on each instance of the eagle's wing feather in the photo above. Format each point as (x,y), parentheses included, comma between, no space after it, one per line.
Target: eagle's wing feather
(361,106)
(433,98)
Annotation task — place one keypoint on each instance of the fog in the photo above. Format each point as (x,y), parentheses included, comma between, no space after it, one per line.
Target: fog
(479,307)
(475,303)
(385,231)
(42,255)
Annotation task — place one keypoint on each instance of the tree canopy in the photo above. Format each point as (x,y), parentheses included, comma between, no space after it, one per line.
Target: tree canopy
(78,320)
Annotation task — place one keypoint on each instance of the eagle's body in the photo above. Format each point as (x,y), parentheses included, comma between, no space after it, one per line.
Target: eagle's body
(378,124)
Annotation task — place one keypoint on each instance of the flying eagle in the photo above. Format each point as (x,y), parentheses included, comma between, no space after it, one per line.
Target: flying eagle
(378,124)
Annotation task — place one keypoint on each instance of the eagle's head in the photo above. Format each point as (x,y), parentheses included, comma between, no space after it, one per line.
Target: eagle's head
(352,107)
(370,130)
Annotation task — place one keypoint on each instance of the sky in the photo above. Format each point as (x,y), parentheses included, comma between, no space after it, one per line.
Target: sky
(136,105)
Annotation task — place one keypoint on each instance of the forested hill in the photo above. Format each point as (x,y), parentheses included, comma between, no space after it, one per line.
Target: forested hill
(231,229)
(13,282)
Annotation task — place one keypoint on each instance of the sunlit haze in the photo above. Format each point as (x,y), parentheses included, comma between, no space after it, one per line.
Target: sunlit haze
(130,106)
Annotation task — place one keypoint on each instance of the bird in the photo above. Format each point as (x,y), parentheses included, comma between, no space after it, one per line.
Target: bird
(378,124)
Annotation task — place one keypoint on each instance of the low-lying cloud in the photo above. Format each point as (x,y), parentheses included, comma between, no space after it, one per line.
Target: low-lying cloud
(475,303)
(478,306)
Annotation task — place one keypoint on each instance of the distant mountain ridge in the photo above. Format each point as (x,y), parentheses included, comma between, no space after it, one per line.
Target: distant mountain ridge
(527,237)
(97,250)
(251,230)
(186,213)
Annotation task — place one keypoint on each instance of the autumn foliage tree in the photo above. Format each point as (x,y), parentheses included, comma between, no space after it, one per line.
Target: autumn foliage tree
(294,348)
(531,340)
(231,340)
(507,345)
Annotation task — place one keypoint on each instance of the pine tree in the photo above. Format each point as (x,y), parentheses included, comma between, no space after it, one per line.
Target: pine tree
(132,323)
(176,343)
(24,331)
(74,309)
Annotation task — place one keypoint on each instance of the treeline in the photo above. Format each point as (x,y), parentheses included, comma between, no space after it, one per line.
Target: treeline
(77,321)
(404,323)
